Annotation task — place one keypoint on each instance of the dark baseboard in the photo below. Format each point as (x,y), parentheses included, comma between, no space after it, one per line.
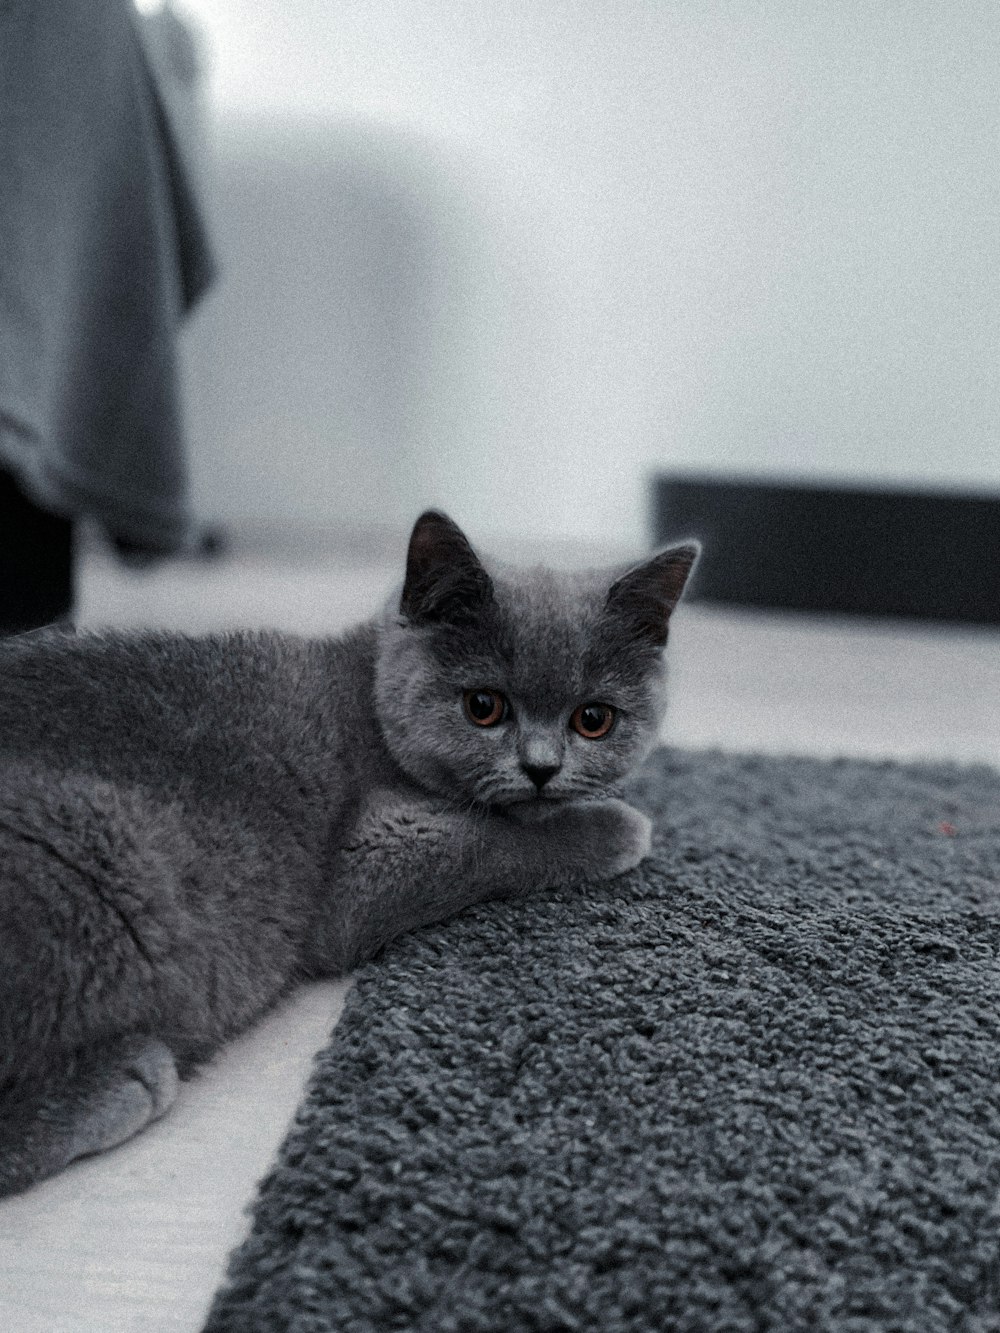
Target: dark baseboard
(918,554)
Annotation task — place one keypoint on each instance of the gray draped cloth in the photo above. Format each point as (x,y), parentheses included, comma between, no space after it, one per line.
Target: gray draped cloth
(102,251)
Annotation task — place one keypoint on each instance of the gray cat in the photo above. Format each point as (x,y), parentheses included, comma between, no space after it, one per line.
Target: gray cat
(188,827)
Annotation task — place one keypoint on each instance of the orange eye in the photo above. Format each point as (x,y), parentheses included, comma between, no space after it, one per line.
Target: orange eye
(484,707)
(593,720)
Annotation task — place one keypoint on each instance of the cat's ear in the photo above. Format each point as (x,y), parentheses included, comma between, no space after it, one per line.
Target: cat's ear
(444,579)
(644,597)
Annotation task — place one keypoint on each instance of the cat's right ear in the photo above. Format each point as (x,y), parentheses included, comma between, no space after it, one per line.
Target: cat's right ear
(445,581)
(644,598)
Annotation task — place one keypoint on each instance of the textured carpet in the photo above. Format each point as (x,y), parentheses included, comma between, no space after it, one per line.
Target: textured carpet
(753,1085)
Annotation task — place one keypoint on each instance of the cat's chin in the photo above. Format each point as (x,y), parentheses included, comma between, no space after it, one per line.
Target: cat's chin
(531,811)
(534,809)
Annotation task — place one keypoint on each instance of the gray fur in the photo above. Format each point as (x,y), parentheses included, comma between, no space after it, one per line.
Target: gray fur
(188,827)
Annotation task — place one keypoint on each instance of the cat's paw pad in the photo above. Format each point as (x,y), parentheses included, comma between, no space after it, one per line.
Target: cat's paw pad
(152,1065)
(123,1096)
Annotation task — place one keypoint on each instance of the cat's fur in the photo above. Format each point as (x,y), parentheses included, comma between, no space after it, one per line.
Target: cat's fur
(190,826)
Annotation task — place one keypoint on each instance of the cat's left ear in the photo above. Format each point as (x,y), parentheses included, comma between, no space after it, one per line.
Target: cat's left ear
(444,578)
(645,596)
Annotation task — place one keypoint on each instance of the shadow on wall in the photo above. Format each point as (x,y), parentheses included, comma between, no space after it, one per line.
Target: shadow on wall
(315,370)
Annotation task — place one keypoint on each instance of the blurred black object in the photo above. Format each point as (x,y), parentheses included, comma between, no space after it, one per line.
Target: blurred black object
(208,542)
(36,562)
(922,554)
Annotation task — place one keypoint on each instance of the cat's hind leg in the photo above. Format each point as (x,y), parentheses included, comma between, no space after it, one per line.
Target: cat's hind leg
(106,1095)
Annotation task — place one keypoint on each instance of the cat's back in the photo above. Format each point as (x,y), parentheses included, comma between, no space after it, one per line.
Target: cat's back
(142,706)
(67,688)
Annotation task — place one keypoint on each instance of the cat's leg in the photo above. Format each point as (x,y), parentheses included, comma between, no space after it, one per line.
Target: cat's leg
(409,862)
(92,940)
(106,1096)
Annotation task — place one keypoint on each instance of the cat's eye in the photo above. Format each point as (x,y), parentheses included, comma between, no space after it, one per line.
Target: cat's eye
(592,721)
(484,707)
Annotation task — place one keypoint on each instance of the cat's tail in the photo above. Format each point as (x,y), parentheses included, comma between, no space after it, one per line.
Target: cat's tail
(101,1098)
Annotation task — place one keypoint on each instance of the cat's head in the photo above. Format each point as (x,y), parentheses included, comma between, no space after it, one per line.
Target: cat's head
(502,686)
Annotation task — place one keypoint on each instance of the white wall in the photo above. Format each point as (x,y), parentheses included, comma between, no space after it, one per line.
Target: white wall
(531,251)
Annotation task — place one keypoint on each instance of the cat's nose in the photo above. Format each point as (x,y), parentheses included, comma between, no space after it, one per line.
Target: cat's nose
(540,773)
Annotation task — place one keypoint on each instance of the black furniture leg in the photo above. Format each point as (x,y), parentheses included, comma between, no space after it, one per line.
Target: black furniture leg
(36,562)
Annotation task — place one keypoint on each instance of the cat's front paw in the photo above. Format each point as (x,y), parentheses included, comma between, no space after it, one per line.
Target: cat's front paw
(604,838)
(625,835)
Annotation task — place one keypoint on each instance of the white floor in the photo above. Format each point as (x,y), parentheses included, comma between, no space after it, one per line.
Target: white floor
(137,1239)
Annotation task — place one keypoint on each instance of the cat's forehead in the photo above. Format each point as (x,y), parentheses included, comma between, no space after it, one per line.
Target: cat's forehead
(554,604)
(546,621)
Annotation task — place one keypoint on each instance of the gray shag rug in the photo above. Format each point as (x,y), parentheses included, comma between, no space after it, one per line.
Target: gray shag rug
(753,1085)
